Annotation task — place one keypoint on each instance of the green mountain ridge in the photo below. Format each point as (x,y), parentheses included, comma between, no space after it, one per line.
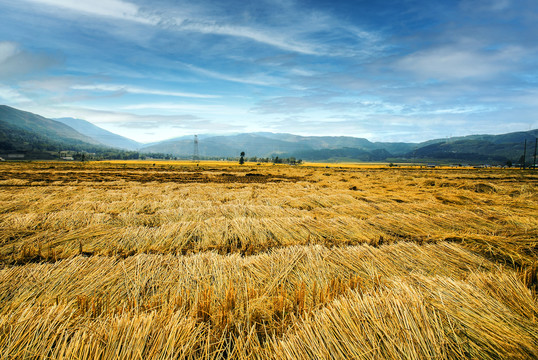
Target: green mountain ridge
(481,148)
(22,131)
(29,122)
(25,132)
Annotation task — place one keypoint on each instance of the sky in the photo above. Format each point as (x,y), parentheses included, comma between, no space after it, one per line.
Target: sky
(387,70)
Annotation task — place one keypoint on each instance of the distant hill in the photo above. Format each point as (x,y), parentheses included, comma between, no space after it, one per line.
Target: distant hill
(340,142)
(226,146)
(271,144)
(103,136)
(494,149)
(22,131)
(27,121)
(478,148)
(343,154)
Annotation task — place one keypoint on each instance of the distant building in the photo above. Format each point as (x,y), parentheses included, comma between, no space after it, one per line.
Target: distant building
(68,158)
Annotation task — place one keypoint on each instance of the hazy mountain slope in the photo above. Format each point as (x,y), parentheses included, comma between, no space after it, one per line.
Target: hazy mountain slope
(396,148)
(508,138)
(232,145)
(101,135)
(482,148)
(343,154)
(324,142)
(268,144)
(473,149)
(34,135)
(22,120)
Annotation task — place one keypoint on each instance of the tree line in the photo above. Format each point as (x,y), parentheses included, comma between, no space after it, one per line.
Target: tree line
(273,160)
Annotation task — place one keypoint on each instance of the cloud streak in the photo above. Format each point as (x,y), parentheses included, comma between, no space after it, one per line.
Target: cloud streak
(455,62)
(261,79)
(266,36)
(140,90)
(115,9)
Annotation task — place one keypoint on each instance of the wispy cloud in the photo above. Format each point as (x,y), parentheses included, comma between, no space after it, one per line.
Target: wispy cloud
(266,36)
(15,62)
(221,110)
(9,95)
(156,121)
(53,84)
(260,79)
(452,63)
(204,21)
(485,5)
(117,9)
(140,90)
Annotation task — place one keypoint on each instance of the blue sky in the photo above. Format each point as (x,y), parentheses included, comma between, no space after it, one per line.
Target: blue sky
(407,70)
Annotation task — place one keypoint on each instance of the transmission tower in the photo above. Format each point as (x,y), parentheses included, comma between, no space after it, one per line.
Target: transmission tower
(195,154)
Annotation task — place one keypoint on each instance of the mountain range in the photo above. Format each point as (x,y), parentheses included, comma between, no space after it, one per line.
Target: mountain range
(103,136)
(24,132)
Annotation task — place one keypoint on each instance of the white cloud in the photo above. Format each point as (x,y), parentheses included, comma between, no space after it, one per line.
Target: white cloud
(124,10)
(12,96)
(459,110)
(139,90)
(499,5)
(15,62)
(454,62)
(260,79)
(106,8)
(7,51)
(262,36)
(485,5)
(217,110)
(204,20)
(54,84)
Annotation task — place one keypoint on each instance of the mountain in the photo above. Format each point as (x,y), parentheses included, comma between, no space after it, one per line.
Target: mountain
(26,121)
(494,149)
(22,131)
(267,145)
(343,154)
(225,146)
(478,148)
(101,135)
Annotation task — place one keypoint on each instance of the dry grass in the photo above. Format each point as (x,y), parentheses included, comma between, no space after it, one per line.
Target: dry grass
(438,297)
(131,260)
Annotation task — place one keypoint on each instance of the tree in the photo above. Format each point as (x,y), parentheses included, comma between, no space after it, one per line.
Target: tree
(242,158)
(522,161)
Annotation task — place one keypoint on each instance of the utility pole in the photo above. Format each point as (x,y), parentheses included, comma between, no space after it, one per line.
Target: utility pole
(195,154)
(535,146)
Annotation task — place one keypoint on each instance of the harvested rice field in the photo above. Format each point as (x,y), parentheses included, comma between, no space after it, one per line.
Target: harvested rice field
(175,260)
